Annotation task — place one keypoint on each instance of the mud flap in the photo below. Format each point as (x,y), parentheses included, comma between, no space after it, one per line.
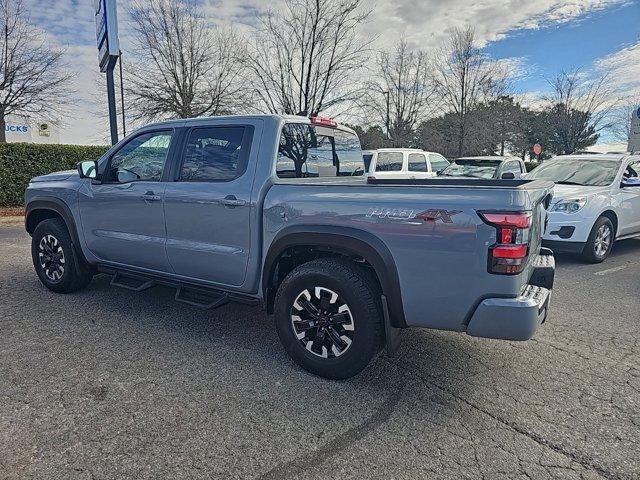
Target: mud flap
(391,333)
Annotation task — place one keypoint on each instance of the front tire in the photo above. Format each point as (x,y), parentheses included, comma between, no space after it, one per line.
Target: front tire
(55,260)
(600,241)
(328,317)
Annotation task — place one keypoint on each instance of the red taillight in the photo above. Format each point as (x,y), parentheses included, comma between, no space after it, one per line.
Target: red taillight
(508,255)
(327,122)
(510,251)
(508,219)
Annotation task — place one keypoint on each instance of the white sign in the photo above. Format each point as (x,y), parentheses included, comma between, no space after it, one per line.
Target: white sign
(106,18)
(634,134)
(25,129)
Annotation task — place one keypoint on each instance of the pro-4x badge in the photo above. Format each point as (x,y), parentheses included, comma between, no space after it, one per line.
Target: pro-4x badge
(435,214)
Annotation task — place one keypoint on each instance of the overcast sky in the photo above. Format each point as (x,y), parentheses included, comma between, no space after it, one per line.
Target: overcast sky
(540,37)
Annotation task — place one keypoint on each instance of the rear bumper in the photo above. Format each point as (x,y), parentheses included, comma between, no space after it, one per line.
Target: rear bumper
(517,318)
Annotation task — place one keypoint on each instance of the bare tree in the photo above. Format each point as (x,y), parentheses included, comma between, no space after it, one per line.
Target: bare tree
(466,77)
(305,59)
(620,118)
(182,67)
(579,109)
(32,74)
(404,90)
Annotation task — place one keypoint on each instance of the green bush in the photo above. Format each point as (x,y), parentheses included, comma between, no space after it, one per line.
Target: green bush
(19,162)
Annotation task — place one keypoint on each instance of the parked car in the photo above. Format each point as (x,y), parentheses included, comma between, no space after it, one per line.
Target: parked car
(276,210)
(402,163)
(486,167)
(596,202)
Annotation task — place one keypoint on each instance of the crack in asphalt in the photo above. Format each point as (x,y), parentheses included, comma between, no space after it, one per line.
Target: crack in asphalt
(314,458)
(578,457)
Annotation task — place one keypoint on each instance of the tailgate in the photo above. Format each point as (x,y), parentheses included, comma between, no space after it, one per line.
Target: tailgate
(540,201)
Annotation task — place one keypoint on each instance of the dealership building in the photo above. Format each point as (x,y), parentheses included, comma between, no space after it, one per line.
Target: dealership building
(32,130)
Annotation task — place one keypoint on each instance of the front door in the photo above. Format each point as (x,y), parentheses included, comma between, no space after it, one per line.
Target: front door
(122,216)
(208,206)
(630,202)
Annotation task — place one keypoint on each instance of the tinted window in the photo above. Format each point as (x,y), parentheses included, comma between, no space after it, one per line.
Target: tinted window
(316,151)
(417,162)
(216,154)
(389,162)
(438,162)
(574,171)
(142,158)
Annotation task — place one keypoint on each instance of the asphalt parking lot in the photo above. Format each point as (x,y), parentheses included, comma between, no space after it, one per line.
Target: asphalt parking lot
(108,383)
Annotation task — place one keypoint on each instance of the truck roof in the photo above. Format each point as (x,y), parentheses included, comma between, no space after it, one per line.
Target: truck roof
(400,149)
(593,156)
(269,116)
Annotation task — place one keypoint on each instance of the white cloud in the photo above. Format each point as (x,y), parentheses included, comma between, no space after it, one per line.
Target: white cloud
(623,68)
(425,23)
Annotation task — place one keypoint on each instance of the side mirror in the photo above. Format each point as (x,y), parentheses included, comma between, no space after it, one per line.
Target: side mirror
(88,169)
(630,182)
(508,176)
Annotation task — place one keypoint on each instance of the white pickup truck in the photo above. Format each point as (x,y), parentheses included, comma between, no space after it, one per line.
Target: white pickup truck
(596,201)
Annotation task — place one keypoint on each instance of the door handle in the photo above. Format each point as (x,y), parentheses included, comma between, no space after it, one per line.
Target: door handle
(232,201)
(150,197)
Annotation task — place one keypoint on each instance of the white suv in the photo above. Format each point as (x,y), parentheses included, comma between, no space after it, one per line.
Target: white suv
(596,201)
(403,163)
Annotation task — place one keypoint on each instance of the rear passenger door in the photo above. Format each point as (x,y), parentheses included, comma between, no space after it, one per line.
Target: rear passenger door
(208,205)
(418,167)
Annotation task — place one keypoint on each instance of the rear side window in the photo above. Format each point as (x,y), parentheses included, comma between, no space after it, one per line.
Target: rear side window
(417,162)
(307,151)
(389,162)
(216,154)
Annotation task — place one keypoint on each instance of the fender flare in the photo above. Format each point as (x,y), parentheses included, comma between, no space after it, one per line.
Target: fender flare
(344,240)
(62,209)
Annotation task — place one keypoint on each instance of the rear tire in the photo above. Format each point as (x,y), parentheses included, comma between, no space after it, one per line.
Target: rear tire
(55,259)
(600,241)
(328,317)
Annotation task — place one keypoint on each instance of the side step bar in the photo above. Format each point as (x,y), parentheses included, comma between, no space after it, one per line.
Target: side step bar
(201,298)
(132,282)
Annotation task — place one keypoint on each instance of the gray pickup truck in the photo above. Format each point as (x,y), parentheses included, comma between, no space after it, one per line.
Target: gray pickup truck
(276,210)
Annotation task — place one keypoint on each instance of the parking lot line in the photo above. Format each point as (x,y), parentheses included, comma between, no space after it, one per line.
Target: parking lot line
(611,270)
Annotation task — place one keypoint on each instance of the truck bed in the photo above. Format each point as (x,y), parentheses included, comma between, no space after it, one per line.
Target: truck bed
(441,265)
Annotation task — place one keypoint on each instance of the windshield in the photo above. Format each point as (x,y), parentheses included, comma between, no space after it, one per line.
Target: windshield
(577,171)
(465,167)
